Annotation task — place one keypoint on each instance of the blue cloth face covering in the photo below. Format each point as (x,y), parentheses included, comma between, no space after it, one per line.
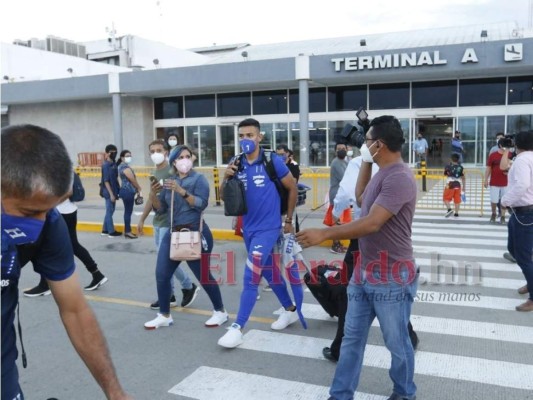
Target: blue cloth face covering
(247,146)
(20,230)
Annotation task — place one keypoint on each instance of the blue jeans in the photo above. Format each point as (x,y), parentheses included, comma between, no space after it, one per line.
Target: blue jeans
(166,267)
(108,218)
(127,199)
(391,304)
(261,243)
(520,244)
(180,274)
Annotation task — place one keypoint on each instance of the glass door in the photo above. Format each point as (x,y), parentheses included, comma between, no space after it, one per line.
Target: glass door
(472,132)
(228,149)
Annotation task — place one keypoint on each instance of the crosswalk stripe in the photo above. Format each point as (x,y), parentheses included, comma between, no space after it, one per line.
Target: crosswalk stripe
(444,326)
(460,233)
(454,229)
(457,240)
(458,251)
(493,372)
(498,283)
(484,266)
(207,383)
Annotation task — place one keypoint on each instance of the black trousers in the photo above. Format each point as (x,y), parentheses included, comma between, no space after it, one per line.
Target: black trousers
(79,251)
(349,260)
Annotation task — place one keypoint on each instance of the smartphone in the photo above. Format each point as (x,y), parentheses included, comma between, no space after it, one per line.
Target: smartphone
(153,179)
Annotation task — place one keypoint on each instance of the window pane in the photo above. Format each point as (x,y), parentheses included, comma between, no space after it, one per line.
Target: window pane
(346,98)
(481,92)
(162,133)
(270,102)
(434,94)
(193,135)
(281,135)
(227,136)
(521,90)
(389,96)
(200,106)
(518,123)
(208,148)
(168,107)
(231,104)
(317,100)
(318,154)
(268,138)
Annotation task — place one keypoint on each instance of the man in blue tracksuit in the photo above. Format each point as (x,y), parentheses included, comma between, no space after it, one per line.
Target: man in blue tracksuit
(261,228)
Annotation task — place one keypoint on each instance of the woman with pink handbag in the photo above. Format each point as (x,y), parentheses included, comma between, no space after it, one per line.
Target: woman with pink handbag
(187,195)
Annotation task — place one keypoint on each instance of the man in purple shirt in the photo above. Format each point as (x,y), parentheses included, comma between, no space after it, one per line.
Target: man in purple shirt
(384,284)
(519,200)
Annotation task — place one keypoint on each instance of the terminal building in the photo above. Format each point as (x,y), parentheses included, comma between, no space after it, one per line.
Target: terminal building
(475,79)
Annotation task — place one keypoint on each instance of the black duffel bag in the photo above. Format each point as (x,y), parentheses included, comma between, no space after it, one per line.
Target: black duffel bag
(234,198)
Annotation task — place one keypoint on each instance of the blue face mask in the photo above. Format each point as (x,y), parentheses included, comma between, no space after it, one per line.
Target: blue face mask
(247,146)
(20,230)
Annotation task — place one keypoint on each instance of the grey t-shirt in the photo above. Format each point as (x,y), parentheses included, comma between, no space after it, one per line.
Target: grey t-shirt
(394,189)
(336,173)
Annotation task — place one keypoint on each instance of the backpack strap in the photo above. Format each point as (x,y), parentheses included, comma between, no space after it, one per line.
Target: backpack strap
(269,165)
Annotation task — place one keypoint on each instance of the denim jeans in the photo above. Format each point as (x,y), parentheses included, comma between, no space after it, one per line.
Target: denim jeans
(166,267)
(520,244)
(127,199)
(180,274)
(391,304)
(108,218)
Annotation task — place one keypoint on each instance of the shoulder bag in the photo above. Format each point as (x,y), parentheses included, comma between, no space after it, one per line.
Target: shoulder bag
(185,245)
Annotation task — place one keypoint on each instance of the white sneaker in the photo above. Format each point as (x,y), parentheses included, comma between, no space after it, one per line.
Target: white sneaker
(218,318)
(232,338)
(159,321)
(285,319)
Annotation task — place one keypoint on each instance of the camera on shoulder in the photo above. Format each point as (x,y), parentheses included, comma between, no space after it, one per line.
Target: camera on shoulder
(355,134)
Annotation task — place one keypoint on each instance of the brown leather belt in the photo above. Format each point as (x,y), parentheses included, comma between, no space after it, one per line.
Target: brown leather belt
(522,209)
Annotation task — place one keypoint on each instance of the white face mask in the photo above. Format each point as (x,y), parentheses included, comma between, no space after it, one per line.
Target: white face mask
(349,153)
(365,153)
(127,160)
(172,142)
(157,158)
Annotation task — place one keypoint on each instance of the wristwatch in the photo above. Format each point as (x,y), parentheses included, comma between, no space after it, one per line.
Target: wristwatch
(186,195)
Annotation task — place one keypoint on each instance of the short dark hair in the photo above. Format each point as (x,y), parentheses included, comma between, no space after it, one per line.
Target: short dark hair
(455,157)
(522,140)
(339,143)
(158,141)
(500,134)
(249,122)
(387,128)
(111,147)
(283,147)
(34,159)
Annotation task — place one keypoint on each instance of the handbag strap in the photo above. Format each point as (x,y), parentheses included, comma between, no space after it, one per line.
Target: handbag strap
(172,214)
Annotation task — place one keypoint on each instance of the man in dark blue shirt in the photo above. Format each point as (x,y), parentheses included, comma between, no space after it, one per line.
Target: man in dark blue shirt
(33,230)
(261,228)
(110,189)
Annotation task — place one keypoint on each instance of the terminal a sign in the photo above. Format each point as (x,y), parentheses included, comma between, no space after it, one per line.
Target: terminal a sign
(414,59)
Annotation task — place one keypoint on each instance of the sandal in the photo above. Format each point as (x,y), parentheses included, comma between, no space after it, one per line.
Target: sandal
(130,235)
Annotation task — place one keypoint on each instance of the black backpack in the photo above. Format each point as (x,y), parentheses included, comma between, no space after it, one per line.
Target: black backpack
(78,191)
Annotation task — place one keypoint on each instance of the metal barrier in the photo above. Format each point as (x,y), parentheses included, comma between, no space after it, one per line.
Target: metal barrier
(318,180)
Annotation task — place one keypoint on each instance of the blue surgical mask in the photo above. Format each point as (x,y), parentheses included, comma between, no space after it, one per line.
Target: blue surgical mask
(20,230)
(247,146)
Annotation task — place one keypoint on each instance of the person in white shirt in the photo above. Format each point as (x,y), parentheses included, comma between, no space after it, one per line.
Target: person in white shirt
(519,199)
(420,147)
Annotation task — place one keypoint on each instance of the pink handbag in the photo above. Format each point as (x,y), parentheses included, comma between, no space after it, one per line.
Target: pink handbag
(185,245)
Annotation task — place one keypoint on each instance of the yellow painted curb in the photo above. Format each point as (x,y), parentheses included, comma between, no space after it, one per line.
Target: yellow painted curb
(218,234)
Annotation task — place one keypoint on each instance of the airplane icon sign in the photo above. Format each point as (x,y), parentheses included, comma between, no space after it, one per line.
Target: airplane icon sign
(513,52)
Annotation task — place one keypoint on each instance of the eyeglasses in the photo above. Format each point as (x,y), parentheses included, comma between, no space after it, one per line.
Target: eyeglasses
(367,139)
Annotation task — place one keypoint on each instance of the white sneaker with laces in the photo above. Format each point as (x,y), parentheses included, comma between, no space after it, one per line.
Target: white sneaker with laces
(159,321)
(285,319)
(232,338)
(218,318)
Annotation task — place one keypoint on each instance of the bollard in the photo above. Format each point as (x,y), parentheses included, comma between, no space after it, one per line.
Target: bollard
(217,187)
(424,173)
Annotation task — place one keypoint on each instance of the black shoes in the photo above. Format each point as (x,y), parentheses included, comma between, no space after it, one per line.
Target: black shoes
(173,303)
(37,291)
(98,280)
(189,295)
(114,234)
(395,396)
(328,355)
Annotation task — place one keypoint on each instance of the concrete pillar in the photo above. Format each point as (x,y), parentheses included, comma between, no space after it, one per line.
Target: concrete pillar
(303,76)
(114,90)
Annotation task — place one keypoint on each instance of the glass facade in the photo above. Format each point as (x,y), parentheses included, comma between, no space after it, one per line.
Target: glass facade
(336,106)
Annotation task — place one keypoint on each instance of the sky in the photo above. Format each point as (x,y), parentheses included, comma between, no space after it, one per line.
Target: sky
(200,23)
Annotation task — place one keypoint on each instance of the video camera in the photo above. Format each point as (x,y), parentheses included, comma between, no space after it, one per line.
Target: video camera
(355,135)
(506,142)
